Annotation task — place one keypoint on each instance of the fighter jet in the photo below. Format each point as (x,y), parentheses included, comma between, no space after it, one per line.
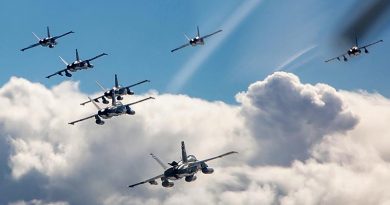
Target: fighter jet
(354,51)
(118,91)
(48,41)
(116,109)
(78,64)
(198,40)
(187,168)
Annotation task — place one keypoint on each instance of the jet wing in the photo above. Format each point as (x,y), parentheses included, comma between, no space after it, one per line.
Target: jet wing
(74,122)
(98,56)
(57,37)
(140,101)
(183,46)
(337,57)
(144,81)
(219,156)
(32,46)
(151,181)
(206,36)
(95,99)
(56,73)
(370,44)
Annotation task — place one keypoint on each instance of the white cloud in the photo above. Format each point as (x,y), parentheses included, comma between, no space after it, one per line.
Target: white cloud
(284,114)
(332,146)
(37,202)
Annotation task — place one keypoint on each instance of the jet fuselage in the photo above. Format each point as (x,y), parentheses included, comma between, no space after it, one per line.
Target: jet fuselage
(197,41)
(188,169)
(48,42)
(354,51)
(79,65)
(120,109)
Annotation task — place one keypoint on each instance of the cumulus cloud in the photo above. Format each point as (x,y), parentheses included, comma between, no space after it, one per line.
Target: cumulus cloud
(298,144)
(37,202)
(288,117)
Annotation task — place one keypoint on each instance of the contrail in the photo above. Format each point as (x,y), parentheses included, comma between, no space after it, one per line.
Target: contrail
(201,56)
(295,57)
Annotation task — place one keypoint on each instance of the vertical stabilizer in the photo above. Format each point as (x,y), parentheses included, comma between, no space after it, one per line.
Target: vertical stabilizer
(116,81)
(36,36)
(159,161)
(183,153)
(356,41)
(100,85)
(48,32)
(187,37)
(197,28)
(77,55)
(64,61)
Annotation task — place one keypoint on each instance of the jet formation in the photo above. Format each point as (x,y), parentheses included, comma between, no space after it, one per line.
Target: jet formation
(189,165)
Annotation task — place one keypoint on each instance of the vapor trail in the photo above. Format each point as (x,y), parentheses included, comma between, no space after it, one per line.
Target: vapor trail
(295,57)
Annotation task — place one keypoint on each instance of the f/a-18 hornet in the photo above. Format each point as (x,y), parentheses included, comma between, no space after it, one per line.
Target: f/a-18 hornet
(116,109)
(117,91)
(186,168)
(49,41)
(354,51)
(198,40)
(78,64)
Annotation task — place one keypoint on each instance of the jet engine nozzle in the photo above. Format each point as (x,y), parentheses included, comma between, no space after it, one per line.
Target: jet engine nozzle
(166,183)
(99,122)
(190,178)
(129,111)
(207,170)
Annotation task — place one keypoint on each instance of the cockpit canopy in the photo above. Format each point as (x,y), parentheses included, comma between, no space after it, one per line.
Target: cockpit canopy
(191,158)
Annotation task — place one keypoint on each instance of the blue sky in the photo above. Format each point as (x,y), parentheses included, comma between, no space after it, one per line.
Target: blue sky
(138,36)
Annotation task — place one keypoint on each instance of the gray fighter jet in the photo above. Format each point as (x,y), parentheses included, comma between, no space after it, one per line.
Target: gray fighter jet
(354,51)
(118,91)
(198,40)
(78,64)
(49,41)
(116,109)
(186,168)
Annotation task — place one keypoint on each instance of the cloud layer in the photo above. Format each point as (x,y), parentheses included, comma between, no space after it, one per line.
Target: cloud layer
(298,144)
